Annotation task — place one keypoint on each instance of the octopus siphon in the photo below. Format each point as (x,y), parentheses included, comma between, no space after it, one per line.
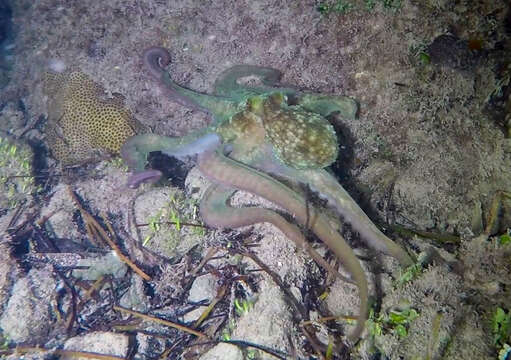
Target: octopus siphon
(258,134)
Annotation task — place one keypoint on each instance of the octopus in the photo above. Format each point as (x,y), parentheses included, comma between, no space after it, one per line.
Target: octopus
(266,140)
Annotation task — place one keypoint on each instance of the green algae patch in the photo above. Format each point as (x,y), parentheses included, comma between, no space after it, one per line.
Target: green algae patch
(17,183)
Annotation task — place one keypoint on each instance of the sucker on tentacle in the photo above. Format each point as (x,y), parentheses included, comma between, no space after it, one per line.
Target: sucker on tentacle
(149,176)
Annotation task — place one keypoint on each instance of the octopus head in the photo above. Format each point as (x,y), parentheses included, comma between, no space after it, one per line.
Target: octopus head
(301,139)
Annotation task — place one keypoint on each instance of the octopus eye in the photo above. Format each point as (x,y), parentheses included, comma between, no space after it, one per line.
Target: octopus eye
(277,98)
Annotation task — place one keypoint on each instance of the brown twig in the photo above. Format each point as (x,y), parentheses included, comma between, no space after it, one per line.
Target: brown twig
(444,238)
(173,223)
(330,318)
(17,213)
(219,296)
(281,355)
(32,176)
(312,340)
(495,208)
(276,278)
(104,236)
(91,233)
(45,218)
(109,226)
(164,355)
(209,255)
(78,354)
(134,326)
(96,285)
(161,321)
(95,228)
(71,317)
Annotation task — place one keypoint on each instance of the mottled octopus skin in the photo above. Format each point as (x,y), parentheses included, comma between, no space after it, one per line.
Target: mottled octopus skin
(263,132)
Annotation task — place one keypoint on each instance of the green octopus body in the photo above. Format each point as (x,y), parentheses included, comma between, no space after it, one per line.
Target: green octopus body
(267,131)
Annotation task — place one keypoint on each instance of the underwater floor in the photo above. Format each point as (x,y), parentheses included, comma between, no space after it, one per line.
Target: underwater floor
(93,268)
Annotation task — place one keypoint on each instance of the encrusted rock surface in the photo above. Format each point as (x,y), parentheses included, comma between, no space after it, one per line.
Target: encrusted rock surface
(101,342)
(27,316)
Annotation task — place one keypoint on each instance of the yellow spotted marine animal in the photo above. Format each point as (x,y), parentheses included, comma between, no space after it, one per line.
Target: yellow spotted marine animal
(84,125)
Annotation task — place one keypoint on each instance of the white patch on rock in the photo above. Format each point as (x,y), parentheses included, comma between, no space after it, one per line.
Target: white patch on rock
(57,65)
(223,352)
(109,264)
(203,288)
(102,342)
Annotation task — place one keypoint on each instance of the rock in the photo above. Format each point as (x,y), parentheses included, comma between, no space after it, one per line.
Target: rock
(343,299)
(162,208)
(203,288)
(149,347)
(223,352)
(27,317)
(8,272)
(101,342)
(438,296)
(60,224)
(36,356)
(109,264)
(135,298)
(11,118)
(194,314)
(268,322)
(506,145)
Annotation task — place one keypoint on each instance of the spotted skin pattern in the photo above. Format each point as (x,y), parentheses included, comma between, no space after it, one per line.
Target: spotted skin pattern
(301,139)
(82,124)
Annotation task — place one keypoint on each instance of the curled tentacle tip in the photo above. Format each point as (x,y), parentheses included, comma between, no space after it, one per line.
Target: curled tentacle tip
(150,176)
(155,59)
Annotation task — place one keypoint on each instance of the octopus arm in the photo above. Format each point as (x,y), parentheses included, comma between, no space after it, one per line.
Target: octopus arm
(228,84)
(327,186)
(215,212)
(135,151)
(156,59)
(208,142)
(327,105)
(228,172)
(147,176)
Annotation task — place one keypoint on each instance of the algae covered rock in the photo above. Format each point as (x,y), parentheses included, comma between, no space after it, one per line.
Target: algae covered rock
(84,125)
(167,211)
(16,181)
